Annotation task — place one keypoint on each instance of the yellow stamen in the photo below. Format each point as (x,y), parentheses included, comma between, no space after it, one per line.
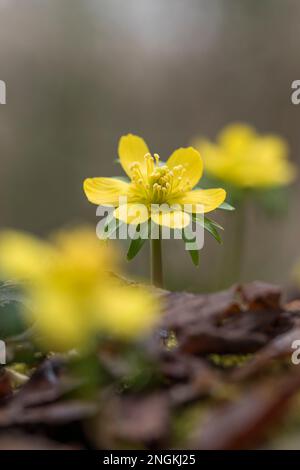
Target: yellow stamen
(154,183)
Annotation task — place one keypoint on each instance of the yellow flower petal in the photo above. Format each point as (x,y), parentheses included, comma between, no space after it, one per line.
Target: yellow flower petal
(129,312)
(132,149)
(80,250)
(216,161)
(172,219)
(23,256)
(206,199)
(274,146)
(132,213)
(246,159)
(60,325)
(191,160)
(105,191)
(236,138)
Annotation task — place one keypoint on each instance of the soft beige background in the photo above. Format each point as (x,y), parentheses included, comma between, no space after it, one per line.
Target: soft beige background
(80,73)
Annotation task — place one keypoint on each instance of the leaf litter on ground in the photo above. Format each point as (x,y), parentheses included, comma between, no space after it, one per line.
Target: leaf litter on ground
(227,382)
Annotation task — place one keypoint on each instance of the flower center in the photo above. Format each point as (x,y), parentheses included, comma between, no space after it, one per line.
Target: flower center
(155,183)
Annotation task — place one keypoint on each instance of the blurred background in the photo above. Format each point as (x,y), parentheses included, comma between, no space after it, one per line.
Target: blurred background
(80,73)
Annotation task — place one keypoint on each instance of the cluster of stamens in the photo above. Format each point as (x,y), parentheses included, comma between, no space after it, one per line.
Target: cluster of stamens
(156,184)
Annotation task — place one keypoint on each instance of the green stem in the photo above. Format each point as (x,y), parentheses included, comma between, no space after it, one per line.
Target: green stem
(156,263)
(240,239)
(234,255)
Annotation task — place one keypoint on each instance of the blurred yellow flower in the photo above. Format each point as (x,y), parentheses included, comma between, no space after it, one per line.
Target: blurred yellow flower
(154,183)
(71,295)
(23,256)
(127,322)
(246,159)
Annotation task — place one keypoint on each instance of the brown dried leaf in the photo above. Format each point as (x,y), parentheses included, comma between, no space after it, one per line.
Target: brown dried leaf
(132,420)
(22,441)
(243,424)
(5,384)
(259,295)
(184,309)
(37,401)
(280,347)
(240,320)
(190,377)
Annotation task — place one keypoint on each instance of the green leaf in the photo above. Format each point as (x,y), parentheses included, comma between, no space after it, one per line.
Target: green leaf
(226,207)
(194,254)
(137,244)
(210,225)
(214,223)
(110,227)
(134,248)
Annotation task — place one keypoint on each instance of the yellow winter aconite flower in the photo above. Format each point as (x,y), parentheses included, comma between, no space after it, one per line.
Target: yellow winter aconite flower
(71,295)
(23,256)
(151,183)
(246,159)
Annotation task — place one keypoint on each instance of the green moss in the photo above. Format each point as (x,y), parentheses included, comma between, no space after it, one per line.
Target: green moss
(185,421)
(226,361)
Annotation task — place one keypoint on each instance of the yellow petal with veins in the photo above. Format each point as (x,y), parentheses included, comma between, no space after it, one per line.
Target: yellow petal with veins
(202,200)
(191,161)
(132,149)
(171,219)
(132,213)
(105,191)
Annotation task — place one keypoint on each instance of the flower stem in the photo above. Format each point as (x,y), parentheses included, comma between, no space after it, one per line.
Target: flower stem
(240,233)
(234,257)
(156,262)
